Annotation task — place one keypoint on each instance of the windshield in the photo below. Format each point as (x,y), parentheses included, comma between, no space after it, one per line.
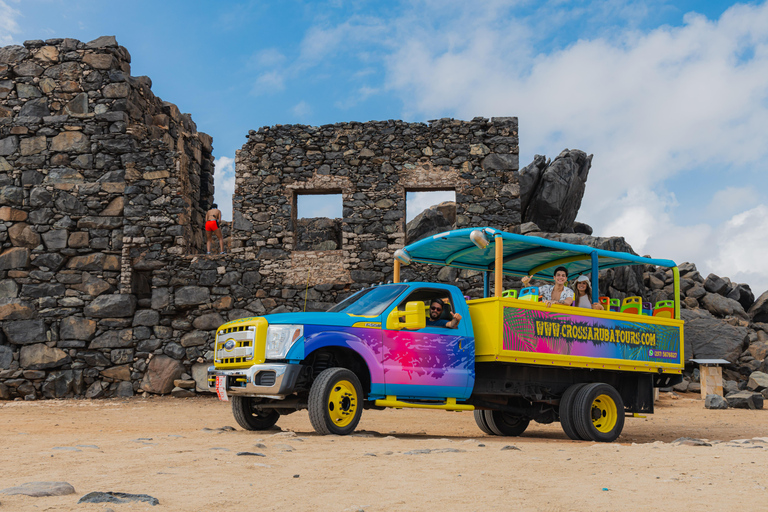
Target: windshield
(371,301)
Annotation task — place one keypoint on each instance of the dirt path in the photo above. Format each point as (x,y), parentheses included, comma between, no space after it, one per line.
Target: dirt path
(162,447)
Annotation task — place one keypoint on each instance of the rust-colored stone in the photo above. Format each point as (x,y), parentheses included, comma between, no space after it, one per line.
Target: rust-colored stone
(76,142)
(12,214)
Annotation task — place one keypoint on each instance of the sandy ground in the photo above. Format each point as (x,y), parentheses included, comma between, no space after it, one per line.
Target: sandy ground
(172,449)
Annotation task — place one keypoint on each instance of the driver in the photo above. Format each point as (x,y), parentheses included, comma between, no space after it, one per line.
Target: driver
(436,308)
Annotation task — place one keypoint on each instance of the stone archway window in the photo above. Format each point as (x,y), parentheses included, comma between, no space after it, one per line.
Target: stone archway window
(428,212)
(317,220)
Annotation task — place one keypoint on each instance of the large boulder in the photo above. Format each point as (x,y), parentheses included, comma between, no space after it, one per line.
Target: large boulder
(722,306)
(758,381)
(745,400)
(742,294)
(161,373)
(555,202)
(716,284)
(529,178)
(707,337)
(759,310)
(433,220)
(110,306)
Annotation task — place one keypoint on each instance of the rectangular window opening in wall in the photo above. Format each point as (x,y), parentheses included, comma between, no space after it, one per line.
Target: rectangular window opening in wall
(141,284)
(428,212)
(317,220)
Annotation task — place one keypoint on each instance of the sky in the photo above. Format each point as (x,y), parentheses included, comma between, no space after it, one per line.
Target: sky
(671,97)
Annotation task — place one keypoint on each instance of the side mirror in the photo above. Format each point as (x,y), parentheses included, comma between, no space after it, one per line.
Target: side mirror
(415,317)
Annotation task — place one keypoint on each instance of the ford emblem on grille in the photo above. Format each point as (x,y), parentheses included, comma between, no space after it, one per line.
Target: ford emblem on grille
(229,345)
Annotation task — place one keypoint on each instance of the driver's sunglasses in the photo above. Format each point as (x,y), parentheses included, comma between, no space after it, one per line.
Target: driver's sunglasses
(436,308)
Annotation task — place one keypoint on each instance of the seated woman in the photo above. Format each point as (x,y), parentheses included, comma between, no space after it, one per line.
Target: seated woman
(584,294)
(556,293)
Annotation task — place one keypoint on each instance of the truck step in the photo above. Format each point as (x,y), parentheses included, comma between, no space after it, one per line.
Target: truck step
(449,404)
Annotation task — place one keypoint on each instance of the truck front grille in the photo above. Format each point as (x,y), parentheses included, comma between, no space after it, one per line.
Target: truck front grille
(234,346)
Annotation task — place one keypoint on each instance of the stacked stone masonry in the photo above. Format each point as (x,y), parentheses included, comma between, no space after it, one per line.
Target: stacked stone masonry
(97,177)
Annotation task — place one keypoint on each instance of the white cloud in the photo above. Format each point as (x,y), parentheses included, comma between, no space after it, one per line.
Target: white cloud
(357,97)
(224,173)
(741,247)
(8,23)
(269,82)
(268,58)
(651,106)
(302,111)
(733,199)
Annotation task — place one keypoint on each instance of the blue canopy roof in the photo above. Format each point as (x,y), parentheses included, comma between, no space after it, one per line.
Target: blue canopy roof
(523,255)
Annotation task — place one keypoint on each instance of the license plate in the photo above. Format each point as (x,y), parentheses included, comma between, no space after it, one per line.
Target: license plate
(221,388)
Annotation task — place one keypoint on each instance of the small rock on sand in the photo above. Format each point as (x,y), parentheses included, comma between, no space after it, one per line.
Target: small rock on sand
(117,497)
(39,489)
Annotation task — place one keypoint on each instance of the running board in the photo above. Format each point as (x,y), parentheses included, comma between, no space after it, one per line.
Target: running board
(449,405)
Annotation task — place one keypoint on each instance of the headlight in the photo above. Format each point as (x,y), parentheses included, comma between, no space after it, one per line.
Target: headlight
(280,339)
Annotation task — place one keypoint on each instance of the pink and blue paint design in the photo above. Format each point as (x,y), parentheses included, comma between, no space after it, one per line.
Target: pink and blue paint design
(523,331)
(433,363)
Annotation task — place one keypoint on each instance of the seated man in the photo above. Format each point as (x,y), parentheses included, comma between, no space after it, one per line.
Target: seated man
(436,308)
(556,293)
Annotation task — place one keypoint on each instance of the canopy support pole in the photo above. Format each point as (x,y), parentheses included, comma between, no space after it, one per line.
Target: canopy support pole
(396,277)
(498,271)
(676,275)
(486,284)
(595,272)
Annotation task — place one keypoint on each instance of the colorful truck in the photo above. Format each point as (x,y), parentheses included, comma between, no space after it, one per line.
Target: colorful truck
(508,360)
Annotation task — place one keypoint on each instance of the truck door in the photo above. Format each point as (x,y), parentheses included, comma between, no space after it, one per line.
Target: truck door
(433,362)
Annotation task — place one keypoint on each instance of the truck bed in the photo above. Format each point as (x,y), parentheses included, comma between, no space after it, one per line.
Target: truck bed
(516,331)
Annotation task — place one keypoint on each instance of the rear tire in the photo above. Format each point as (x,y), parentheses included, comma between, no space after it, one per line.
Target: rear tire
(598,413)
(505,424)
(251,418)
(480,420)
(566,412)
(335,402)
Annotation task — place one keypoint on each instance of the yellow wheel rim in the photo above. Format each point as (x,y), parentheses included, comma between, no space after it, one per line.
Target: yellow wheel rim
(342,403)
(604,414)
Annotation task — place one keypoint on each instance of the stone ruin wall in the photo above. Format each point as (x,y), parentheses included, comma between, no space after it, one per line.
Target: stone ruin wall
(372,165)
(98,176)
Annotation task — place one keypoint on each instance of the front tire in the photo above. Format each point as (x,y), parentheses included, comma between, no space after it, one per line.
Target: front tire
(335,402)
(505,424)
(251,418)
(598,413)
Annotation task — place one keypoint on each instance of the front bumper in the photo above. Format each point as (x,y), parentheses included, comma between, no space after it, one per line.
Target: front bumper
(273,380)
